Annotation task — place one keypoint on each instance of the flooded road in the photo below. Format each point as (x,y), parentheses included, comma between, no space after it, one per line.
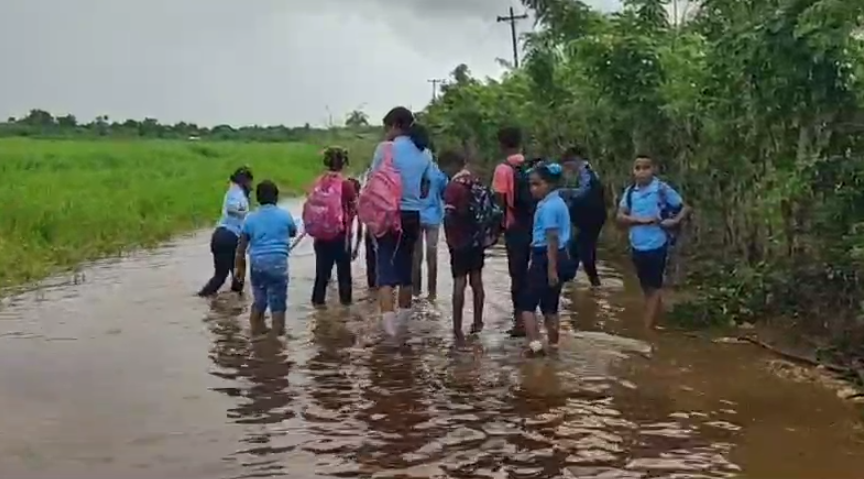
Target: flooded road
(127,374)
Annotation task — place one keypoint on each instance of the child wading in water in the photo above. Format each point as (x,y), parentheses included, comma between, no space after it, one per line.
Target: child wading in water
(551,265)
(328,216)
(461,228)
(265,235)
(652,210)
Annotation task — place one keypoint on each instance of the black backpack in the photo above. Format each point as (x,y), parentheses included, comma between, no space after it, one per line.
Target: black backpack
(592,207)
(524,203)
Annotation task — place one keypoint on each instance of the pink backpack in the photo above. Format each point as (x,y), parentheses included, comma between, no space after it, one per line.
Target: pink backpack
(323,215)
(378,207)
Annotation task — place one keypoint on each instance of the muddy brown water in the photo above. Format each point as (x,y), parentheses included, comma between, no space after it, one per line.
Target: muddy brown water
(123,373)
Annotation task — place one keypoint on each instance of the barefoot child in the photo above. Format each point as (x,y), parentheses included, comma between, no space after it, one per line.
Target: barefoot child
(265,236)
(464,217)
(651,209)
(550,265)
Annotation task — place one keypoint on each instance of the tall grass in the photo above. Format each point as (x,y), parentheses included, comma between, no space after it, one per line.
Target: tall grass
(66,201)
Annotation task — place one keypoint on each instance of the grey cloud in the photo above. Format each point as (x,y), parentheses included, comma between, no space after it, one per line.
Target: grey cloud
(239,62)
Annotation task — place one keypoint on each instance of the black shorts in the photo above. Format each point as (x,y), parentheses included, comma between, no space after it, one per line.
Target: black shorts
(650,267)
(465,261)
(537,291)
(395,252)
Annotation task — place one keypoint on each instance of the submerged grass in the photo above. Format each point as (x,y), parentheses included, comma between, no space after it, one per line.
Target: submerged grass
(67,201)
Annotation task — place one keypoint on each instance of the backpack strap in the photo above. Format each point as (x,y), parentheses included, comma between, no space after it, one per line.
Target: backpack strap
(628,197)
(661,193)
(388,152)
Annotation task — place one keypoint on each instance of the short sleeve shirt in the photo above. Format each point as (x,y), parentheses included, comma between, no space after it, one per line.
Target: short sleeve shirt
(646,203)
(551,214)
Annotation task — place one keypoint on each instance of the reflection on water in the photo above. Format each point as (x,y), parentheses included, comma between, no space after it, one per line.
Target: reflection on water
(120,376)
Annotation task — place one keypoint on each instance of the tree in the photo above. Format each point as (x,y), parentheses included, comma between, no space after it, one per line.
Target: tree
(357,119)
(751,109)
(67,121)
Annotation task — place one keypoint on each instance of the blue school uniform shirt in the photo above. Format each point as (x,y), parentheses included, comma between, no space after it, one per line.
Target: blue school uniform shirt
(412,165)
(432,213)
(551,213)
(269,229)
(235,206)
(646,204)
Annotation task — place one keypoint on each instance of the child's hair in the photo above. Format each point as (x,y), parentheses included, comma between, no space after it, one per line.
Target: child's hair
(643,156)
(267,193)
(335,158)
(549,172)
(238,177)
(574,151)
(453,158)
(240,174)
(402,118)
(510,137)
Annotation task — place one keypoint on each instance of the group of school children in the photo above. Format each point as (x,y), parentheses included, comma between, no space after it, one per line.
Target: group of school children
(549,215)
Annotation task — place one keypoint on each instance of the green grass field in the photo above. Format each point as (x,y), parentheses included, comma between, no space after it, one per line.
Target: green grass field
(68,201)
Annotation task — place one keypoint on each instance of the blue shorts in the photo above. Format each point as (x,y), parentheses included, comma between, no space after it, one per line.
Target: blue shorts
(269,277)
(537,291)
(395,252)
(650,267)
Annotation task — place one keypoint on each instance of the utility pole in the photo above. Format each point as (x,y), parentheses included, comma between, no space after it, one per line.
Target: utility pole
(435,82)
(512,20)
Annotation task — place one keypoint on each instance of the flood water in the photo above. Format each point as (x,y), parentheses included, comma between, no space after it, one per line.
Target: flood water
(125,373)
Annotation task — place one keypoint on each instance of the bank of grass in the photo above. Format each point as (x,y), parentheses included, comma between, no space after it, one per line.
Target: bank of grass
(67,201)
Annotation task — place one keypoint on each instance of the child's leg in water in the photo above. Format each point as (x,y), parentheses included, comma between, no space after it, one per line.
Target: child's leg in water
(459,285)
(532,331)
(479,294)
(549,304)
(277,299)
(259,305)
(552,328)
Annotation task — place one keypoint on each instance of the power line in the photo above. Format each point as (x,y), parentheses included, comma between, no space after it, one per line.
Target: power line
(511,19)
(435,82)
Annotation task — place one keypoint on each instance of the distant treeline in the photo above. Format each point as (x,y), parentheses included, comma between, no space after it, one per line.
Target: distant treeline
(43,124)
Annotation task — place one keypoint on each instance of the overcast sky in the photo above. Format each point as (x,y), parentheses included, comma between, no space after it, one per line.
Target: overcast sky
(241,61)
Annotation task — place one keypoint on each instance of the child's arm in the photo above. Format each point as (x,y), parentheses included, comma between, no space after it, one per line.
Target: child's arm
(236,206)
(297,241)
(356,250)
(240,258)
(674,199)
(552,255)
(626,220)
(292,233)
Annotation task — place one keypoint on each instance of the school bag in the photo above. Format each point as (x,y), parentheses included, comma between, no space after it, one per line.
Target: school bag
(379,204)
(667,211)
(590,210)
(486,215)
(524,203)
(323,214)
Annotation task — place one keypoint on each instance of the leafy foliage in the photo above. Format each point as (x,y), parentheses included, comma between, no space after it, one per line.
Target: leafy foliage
(41,124)
(753,108)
